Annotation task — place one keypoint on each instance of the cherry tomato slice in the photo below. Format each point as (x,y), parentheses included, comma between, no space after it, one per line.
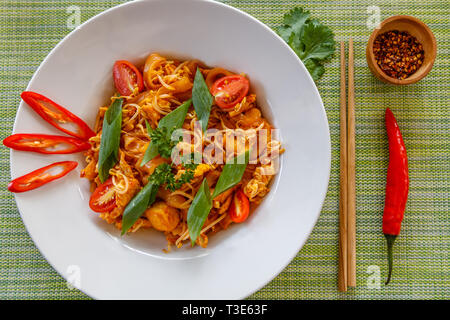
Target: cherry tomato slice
(41,176)
(127,77)
(103,199)
(229,91)
(57,116)
(240,207)
(46,144)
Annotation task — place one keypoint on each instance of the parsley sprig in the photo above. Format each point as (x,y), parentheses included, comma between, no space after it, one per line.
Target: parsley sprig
(163,175)
(161,139)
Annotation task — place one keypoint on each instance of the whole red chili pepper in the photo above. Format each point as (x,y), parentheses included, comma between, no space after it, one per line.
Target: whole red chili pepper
(397,185)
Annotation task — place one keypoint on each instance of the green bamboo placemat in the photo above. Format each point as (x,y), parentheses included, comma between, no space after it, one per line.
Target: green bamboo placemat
(30,29)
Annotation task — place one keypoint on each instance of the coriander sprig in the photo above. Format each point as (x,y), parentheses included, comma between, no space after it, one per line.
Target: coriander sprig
(310,39)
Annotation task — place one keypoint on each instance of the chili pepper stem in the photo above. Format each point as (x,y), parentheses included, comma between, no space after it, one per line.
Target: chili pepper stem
(390,242)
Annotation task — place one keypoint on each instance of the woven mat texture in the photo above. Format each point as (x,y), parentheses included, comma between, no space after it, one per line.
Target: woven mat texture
(30,29)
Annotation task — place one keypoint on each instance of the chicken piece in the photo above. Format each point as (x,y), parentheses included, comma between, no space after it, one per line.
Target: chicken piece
(133,144)
(151,114)
(89,172)
(173,200)
(246,104)
(163,217)
(124,166)
(123,199)
(251,118)
(153,63)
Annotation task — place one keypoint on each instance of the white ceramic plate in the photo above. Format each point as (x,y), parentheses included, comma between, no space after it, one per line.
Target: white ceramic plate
(237,262)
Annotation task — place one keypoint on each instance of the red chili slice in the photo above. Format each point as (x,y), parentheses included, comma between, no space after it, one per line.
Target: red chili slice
(57,116)
(127,77)
(229,91)
(41,176)
(103,199)
(240,207)
(46,144)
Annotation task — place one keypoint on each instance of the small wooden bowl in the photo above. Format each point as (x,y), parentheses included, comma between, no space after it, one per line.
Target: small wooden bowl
(416,28)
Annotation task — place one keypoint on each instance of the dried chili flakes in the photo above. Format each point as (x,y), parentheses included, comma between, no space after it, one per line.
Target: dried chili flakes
(398,53)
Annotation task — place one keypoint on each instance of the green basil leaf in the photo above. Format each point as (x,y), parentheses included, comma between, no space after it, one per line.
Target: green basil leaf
(198,211)
(172,121)
(231,174)
(110,139)
(175,119)
(202,99)
(150,153)
(136,207)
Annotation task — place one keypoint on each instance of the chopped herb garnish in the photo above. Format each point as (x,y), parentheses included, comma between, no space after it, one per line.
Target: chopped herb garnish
(185,177)
(161,140)
(163,175)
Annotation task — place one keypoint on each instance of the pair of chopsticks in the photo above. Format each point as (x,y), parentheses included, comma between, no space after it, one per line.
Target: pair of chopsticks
(347,203)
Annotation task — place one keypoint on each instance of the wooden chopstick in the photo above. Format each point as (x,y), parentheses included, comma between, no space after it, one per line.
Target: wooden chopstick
(342,278)
(351,207)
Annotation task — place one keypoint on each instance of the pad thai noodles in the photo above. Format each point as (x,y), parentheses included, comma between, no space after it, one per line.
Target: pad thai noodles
(166,150)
